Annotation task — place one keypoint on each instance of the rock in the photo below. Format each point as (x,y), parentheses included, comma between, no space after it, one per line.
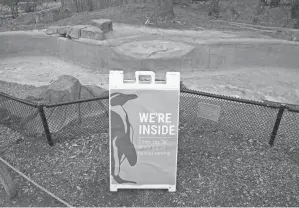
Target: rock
(262,153)
(63,30)
(92,32)
(51,30)
(104,24)
(34,94)
(66,89)
(75,31)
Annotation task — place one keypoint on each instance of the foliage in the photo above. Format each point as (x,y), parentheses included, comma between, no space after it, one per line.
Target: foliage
(30,7)
(13,5)
(214,9)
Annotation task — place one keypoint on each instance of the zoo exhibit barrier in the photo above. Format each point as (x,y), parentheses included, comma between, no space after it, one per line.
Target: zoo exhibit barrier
(263,121)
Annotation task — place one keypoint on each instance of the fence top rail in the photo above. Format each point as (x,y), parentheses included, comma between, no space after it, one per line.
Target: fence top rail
(76,101)
(293,108)
(26,102)
(268,104)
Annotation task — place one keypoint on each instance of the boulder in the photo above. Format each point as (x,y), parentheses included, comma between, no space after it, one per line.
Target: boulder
(51,30)
(34,94)
(63,30)
(104,24)
(92,32)
(66,89)
(75,31)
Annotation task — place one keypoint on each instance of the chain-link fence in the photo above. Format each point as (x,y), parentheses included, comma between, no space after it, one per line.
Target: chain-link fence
(20,115)
(263,121)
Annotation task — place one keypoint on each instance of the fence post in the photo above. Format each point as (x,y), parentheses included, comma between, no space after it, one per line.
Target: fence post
(45,124)
(276,125)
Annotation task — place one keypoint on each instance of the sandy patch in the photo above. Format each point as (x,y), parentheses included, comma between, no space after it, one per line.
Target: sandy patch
(38,71)
(154,49)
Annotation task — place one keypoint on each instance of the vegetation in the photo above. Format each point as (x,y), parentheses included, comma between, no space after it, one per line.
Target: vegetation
(13,6)
(282,13)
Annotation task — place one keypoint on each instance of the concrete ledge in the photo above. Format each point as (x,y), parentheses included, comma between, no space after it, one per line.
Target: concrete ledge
(216,54)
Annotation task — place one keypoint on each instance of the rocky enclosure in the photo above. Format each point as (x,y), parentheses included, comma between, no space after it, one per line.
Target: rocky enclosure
(96,31)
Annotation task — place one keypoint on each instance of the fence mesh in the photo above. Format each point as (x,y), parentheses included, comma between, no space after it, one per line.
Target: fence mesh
(72,120)
(288,132)
(87,117)
(247,120)
(20,117)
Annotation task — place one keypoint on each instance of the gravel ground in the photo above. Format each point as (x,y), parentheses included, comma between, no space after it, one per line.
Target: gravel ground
(216,167)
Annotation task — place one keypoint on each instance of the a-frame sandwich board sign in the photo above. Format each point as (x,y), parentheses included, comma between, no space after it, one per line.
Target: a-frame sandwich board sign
(143,129)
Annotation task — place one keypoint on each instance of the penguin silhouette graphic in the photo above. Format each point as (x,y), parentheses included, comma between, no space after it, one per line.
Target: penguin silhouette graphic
(122,146)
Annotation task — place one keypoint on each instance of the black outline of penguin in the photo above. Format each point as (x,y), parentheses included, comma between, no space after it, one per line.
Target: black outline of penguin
(120,136)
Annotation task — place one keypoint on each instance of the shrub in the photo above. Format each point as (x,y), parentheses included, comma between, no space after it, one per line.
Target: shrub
(13,5)
(30,7)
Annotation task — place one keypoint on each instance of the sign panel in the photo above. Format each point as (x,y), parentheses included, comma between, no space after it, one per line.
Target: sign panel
(144,119)
(208,111)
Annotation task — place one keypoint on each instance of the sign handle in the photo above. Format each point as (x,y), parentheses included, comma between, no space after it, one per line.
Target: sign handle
(145,73)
